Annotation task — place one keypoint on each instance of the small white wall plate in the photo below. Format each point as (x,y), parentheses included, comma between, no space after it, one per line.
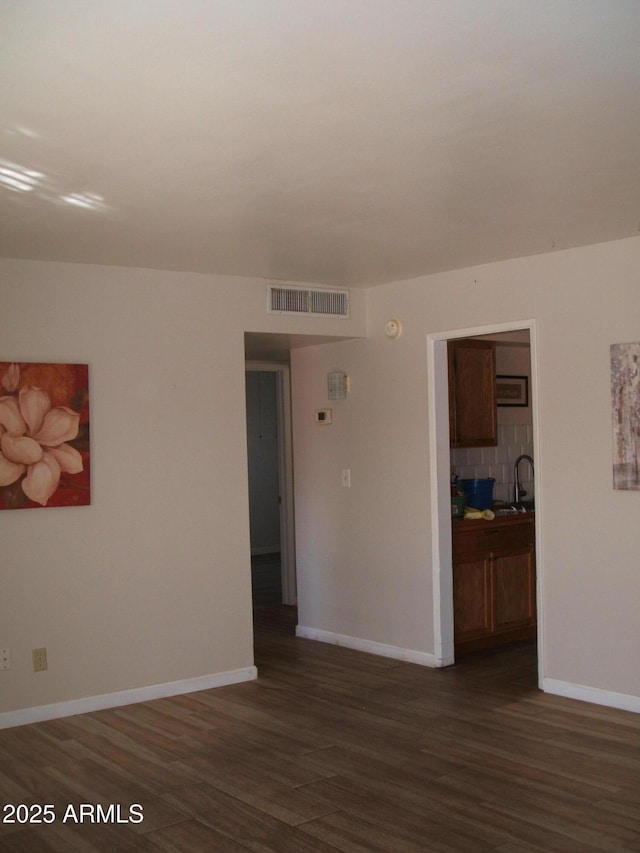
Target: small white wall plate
(393,328)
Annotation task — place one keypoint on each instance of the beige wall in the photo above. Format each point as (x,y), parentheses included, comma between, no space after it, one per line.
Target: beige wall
(151,583)
(364,554)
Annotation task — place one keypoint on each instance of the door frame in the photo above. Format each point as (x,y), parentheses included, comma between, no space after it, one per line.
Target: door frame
(285,474)
(440,464)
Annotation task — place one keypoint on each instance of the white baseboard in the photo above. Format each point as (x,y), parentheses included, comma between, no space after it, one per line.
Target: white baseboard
(623,701)
(382,649)
(38,714)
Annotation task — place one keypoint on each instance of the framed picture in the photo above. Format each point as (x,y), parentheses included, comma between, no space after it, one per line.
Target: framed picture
(513,390)
(44,426)
(625,407)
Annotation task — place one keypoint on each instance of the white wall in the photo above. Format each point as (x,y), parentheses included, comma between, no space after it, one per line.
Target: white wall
(514,360)
(151,583)
(364,554)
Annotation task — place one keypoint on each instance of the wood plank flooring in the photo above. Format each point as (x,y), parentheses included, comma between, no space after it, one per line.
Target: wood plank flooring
(332,749)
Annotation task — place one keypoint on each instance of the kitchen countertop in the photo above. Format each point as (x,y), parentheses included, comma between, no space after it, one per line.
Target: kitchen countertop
(498,521)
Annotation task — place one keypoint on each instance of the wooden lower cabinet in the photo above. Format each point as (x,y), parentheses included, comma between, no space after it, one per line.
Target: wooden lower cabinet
(494,583)
(472,606)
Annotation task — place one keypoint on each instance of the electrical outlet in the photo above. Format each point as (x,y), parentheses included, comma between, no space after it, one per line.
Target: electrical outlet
(39,659)
(5,658)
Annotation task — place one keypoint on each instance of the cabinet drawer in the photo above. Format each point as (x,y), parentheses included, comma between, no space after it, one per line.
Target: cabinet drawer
(514,538)
(474,543)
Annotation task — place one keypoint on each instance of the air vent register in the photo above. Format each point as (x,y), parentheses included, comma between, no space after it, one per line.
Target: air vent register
(314,302)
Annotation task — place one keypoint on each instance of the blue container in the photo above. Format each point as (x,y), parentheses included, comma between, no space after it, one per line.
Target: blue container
(479,492)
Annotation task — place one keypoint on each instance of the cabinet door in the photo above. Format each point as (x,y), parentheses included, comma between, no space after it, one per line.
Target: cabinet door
(472,609)
(472,393)
(514,590)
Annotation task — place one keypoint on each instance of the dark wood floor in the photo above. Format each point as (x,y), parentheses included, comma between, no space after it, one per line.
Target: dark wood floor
(333,749)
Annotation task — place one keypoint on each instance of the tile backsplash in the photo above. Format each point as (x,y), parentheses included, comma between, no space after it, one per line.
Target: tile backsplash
(497,462)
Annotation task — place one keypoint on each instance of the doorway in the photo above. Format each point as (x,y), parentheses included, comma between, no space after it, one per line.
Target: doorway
(270,472)
(441,462)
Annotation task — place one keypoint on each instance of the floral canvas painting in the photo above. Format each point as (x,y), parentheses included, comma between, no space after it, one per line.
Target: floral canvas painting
(44,435)
(625,405)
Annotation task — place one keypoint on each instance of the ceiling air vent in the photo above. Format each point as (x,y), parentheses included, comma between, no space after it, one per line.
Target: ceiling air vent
(314,302)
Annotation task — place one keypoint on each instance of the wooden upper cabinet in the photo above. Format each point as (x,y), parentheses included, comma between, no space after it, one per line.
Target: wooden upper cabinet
(472,393)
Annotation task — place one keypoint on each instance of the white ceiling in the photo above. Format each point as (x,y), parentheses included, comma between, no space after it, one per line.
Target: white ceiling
(346,142)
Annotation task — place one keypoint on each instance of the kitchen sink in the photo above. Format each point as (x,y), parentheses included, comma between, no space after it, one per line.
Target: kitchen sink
(514,508)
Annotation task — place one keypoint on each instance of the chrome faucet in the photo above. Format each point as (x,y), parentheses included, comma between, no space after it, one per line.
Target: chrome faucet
(516,475)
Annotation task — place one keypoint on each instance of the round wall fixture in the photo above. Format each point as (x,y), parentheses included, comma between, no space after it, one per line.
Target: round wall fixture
(392,328)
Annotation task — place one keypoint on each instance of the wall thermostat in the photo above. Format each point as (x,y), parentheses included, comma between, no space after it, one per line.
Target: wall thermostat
(337,385)
(323,416)
(392,328)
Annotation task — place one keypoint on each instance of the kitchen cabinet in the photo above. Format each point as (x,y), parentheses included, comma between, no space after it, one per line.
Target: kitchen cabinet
(494,582)
(473,413)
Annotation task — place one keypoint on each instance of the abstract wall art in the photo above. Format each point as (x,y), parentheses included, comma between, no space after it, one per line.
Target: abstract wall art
(44,435)
(625,407)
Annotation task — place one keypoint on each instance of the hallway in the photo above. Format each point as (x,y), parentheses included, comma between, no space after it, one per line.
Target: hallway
(266,580)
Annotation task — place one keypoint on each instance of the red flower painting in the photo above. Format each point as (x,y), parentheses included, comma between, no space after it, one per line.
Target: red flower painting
(44,435)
